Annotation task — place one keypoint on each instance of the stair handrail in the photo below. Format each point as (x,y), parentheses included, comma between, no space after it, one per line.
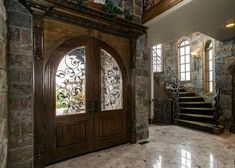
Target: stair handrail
(173,84)
(217,111)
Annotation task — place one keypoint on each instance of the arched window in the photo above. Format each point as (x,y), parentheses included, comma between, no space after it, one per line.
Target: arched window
(209,67)
(184,61)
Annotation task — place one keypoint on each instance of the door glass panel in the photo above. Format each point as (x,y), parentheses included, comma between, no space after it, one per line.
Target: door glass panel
(111,83)
(71,83)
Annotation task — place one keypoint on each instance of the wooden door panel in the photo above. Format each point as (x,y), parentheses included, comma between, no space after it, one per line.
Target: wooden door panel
(73,139)
(70,93)
(111,126)
(71,134)
(111,91)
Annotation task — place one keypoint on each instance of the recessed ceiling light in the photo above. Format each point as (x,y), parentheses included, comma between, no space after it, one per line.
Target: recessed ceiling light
(230,25)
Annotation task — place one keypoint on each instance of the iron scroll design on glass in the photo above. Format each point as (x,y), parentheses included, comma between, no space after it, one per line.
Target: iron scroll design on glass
(70,83)
(111,83)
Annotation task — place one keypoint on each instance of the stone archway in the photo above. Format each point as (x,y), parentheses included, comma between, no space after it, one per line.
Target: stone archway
(231,68)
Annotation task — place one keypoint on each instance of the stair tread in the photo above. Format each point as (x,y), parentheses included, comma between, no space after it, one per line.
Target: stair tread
(194,103)
(199,123)
(186,92)
(191,97)
(196,108)
(197,115)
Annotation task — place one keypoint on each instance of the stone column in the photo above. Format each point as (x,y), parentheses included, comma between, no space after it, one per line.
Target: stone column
(142,85)
(3,88)
(20,97)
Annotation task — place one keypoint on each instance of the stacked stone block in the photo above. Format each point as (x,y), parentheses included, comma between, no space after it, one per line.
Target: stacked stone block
(3,88)
(142,89)
(20,66)
(224,57)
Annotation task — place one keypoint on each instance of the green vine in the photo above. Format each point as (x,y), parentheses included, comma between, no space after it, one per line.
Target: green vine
(82,3)
(128,15)
(111,9)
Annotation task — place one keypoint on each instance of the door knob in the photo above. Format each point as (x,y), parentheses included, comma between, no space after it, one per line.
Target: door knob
(97,105)
(90,106)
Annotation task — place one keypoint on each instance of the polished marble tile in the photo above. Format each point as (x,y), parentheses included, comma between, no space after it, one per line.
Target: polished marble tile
(169,147)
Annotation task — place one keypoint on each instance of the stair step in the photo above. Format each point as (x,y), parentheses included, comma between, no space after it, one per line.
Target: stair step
(195,104)
(206,127)
(193,110)
(191,99)
(197,118)
(186,94)
(182,90)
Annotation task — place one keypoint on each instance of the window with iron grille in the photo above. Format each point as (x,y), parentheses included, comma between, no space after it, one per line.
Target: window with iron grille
(157,58)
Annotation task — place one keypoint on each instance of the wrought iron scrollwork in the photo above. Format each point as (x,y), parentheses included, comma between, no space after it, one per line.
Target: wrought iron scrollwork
(170,81)
(111,83)
(217,111)
(70,83)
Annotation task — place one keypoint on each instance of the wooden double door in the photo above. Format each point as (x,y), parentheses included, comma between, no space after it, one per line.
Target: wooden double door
(85,99)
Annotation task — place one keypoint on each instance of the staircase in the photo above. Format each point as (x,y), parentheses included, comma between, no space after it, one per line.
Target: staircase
(197,114)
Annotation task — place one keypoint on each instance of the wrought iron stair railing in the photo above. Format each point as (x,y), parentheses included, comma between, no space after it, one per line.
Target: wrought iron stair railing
(169,80)
(217,111)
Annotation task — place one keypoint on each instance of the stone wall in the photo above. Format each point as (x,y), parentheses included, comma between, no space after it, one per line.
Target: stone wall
(135,7)
(222,52)
(142,89)
(3,88)
(170,54)
(224,56)
(20,65)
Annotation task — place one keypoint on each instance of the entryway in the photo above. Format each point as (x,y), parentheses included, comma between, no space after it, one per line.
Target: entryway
(85,99)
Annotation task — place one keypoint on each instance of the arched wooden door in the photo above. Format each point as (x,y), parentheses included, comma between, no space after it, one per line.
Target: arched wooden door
(85,99)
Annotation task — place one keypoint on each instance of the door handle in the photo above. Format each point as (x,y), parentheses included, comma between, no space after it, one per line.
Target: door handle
(90,106)
(97,106)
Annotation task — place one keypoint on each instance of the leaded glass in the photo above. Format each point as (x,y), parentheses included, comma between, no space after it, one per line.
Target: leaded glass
(111,83)
(157,58)
(210,69)
(71,83)
(184,60)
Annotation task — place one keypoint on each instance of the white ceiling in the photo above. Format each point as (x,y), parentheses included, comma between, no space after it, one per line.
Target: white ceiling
(206,16)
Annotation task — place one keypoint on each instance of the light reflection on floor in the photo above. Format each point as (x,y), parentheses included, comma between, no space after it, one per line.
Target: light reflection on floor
(169,147)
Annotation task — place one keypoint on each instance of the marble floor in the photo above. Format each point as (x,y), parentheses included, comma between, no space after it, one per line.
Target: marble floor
(169,147)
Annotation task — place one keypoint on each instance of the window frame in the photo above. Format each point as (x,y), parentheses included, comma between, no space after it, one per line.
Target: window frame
(209,47)
(179,46)
(155,63)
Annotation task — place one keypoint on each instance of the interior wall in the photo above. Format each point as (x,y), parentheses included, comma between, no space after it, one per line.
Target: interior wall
(222,51)
(170,54)
(224,56)
(3,88)
(20,97)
